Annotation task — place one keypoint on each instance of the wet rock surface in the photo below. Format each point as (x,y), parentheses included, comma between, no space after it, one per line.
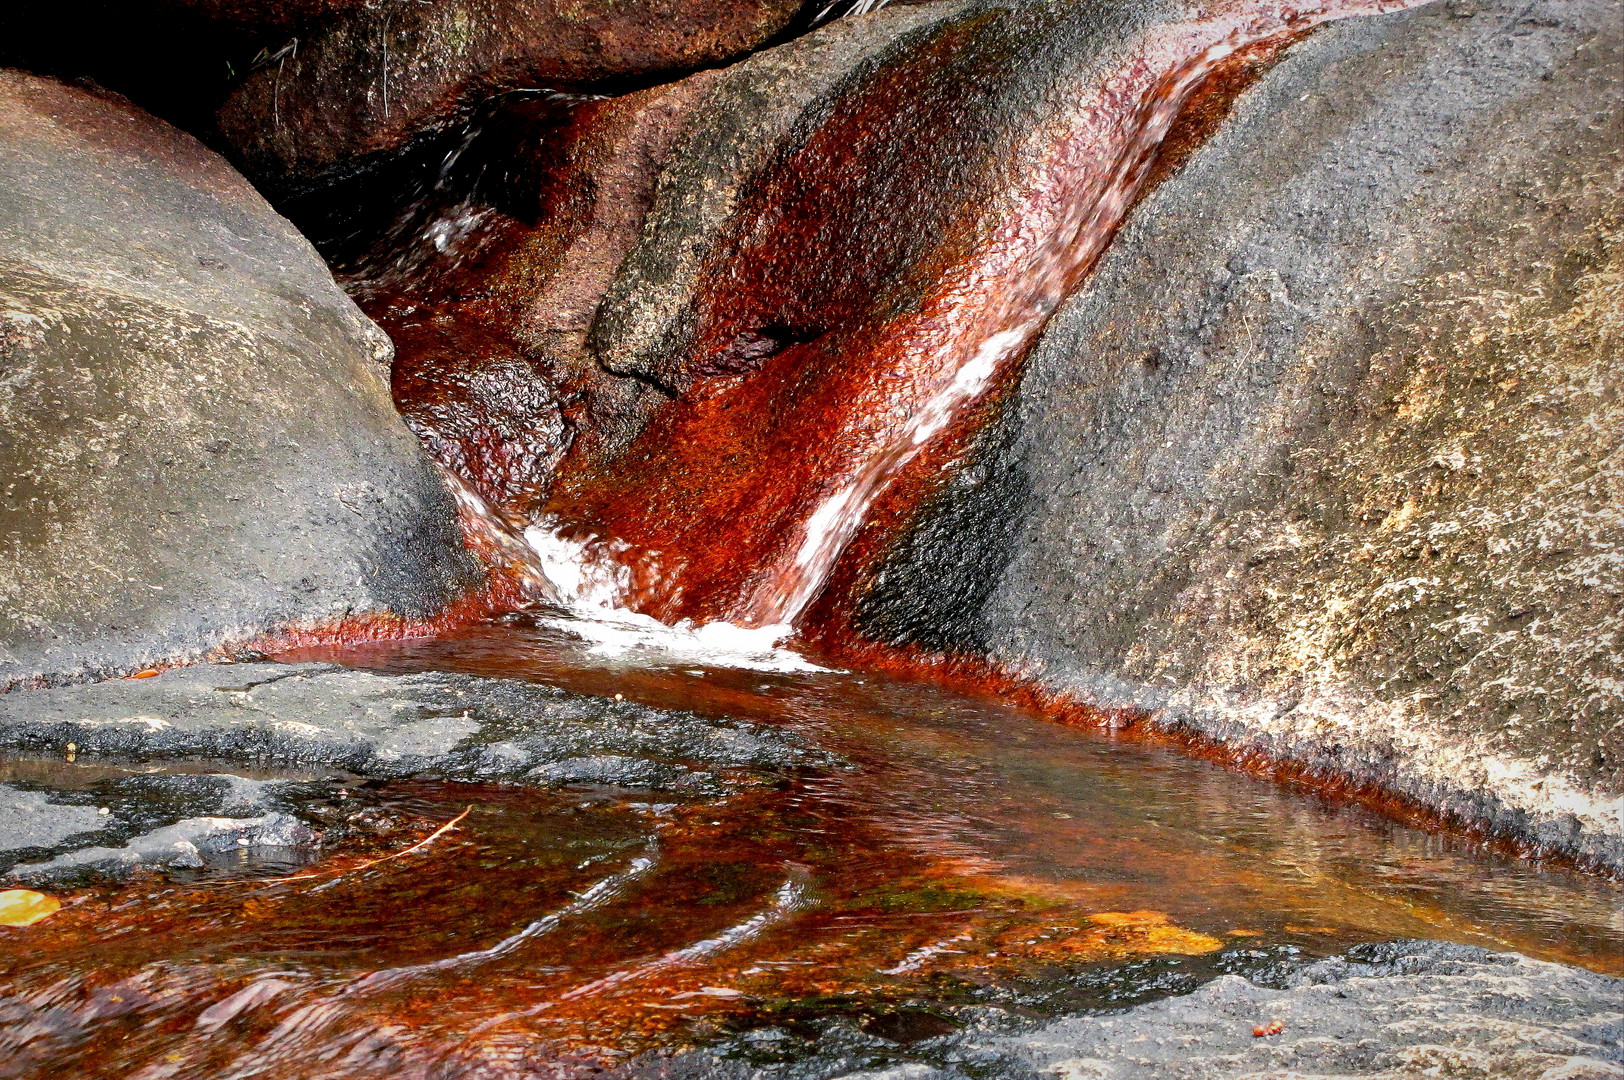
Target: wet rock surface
(62,821)
(185,844)
(489,282)
(857,234)
(368,83)
(1397,1010)
(137,793)
(29,819)
(493,296)
(1325,461)
(197,436)
(453,726)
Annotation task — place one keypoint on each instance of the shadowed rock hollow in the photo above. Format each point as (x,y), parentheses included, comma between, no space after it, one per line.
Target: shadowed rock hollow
(379,76)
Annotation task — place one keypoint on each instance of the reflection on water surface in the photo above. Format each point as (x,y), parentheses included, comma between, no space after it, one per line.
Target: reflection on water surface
(969,853)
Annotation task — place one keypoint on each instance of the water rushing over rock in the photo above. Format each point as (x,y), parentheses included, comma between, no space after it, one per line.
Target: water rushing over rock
(592,580)
(827,344)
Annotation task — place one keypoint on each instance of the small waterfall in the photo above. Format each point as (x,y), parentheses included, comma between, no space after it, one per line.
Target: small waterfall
(1076,179)
(590,580)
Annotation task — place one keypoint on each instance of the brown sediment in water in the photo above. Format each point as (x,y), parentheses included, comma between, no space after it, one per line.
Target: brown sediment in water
(960,852)
(352,942)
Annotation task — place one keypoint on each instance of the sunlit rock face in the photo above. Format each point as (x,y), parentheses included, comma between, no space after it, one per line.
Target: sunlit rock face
(196,437)
(372,79)
(1325,461)
(853,244)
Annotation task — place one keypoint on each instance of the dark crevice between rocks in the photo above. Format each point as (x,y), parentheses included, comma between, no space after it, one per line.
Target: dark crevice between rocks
(484,158)
(748,351)
(175,64)
(180,62)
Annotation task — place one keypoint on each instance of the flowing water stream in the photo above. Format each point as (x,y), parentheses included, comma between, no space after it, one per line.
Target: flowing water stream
(959,857)
(952,857)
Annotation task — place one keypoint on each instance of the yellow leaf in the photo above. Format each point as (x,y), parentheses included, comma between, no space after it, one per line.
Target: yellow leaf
(24,907)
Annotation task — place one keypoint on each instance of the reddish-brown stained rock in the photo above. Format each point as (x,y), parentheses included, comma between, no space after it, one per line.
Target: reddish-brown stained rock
(827,311)
(490,301)
(373,81)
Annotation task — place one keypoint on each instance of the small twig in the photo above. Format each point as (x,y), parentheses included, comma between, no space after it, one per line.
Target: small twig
(423,843)
(281,58)
(385,41)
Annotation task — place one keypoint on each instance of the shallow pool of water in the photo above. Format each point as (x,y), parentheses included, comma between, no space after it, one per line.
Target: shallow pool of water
(967,853)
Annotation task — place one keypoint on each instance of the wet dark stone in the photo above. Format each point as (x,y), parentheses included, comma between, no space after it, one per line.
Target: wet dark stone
(278,14)
(1395,1010)
(820,180)
(1324,462)
(483,412)
(909,1025)
(357,88)
(196,434)
(442,725)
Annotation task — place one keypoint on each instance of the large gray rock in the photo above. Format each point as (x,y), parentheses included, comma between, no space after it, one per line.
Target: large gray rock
(196,437)
(457,726)
(1326,460)
(1420,1010)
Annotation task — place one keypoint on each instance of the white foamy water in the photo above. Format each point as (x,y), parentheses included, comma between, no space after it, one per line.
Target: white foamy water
(838,517)
(591,581)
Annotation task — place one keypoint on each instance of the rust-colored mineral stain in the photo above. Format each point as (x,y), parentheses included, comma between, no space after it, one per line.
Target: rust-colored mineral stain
(837,361)
(24,907)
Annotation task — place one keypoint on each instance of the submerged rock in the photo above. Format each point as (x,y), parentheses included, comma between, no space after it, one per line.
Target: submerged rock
(195,428)
(32,819)
(182,845)
(1325,462)
(75,818)
(368,83)
(1394,1011)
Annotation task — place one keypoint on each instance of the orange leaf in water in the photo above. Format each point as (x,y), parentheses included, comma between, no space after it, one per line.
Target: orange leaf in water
(23,907)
